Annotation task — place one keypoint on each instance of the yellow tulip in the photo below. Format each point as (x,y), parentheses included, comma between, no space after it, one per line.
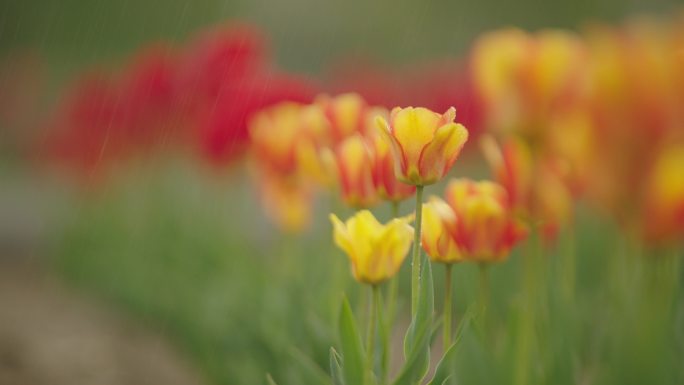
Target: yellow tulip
(376,251)
(424,143)
(439,222)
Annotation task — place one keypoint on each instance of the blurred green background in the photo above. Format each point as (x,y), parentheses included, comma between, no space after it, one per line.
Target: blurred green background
(306,34)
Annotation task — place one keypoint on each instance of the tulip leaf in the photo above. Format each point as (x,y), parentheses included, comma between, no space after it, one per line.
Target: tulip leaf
(467,318)
(313,372)
(269,379)
(335,368)
(445,367)
(418,335)
(351,348)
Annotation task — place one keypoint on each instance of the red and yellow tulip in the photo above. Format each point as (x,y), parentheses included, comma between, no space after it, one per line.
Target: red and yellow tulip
(439,224)
(354,160)
(424,144)
(485,229)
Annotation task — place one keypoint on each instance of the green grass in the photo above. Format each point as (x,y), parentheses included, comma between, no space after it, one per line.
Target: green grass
(188,252)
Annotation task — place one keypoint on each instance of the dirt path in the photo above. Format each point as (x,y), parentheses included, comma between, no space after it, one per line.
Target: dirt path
(50,335)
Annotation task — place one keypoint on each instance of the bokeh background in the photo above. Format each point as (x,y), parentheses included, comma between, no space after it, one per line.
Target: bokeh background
(164,268)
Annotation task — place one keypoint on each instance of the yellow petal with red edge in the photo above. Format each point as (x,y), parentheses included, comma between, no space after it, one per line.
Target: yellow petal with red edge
(398,155)
(414,128)
(442,152)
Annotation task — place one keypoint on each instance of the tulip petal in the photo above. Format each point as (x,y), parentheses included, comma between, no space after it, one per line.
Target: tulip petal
(393,244)
(400,161)
(440,154)
(341,235)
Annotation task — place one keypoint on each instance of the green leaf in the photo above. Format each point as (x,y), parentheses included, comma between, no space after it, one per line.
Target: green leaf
(424,315)
(417,339)
(445,367)
(269,379)
(313,373)
(335,368)
(352,351)
(467,318)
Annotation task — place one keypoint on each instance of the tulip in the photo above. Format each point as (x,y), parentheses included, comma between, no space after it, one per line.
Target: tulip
(354,158)
(274,132)
(388,187)
(663,210)
(312,151)
(424,144)
(511,164)
(376,251)
(534,190)
(286,202)
(346,114)
(485,227)
(439,223)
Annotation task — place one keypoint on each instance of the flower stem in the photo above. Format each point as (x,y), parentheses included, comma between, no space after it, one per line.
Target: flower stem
(484,288)
(370,342)
(447,307)
(415,263)
(394,281)
(569,264)
(529,312)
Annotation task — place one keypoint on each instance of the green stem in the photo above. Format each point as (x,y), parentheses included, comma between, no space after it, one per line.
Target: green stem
(569,264)
(394,281)
(415,263)
(391,309)
(527,314)
(484,288)
(370,342)
(447,307)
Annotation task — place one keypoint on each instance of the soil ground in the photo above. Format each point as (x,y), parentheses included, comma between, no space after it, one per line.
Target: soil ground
(52,335)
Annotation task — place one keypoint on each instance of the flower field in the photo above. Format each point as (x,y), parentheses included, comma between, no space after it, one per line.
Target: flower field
(511,215)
